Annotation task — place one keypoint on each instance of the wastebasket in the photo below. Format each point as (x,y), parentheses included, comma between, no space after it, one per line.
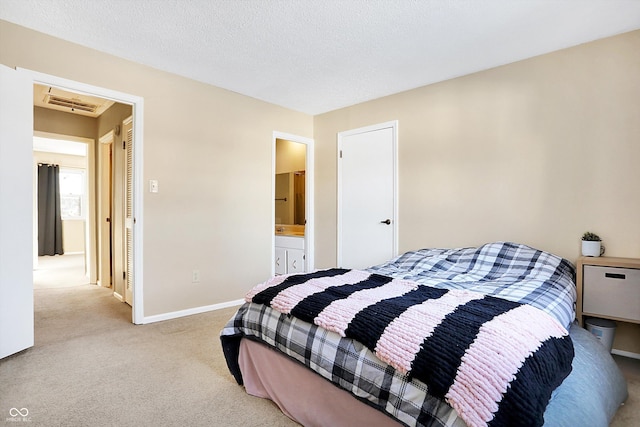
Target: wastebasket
(603,329)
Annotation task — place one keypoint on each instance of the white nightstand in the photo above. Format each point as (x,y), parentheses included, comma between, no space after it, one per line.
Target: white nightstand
(609,288)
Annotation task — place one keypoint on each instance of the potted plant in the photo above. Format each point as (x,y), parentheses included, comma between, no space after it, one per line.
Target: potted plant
(591,244)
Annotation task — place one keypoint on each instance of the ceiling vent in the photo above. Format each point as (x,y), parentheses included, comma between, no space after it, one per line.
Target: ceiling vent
(73,104)
(69,102)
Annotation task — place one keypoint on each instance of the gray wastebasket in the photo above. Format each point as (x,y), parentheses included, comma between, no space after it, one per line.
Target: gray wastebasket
(603,329)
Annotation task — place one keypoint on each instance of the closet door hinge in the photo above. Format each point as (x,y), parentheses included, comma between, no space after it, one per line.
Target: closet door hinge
(124,144)
(340,153)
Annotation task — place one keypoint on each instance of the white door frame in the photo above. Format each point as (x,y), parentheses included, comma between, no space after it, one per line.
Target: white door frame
(309,198)
(137,104)
(341,135)
(90,213)
(105,145)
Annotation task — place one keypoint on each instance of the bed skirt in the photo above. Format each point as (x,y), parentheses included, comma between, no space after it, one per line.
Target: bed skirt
(300,393)
(590,395)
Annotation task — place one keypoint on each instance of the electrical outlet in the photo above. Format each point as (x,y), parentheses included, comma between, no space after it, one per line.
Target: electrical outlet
(195,276)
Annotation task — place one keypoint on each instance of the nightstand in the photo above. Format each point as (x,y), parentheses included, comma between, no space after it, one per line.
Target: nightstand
(609,288)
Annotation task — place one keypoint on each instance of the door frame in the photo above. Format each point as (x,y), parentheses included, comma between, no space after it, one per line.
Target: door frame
(137,104)
(341,136)
(90,213)
(103,206)
(309,237)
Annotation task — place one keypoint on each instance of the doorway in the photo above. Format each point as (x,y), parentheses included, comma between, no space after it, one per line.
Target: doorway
(107,166)
(367,195)
(292,204)
(132,222)
(16,181)
(68,267)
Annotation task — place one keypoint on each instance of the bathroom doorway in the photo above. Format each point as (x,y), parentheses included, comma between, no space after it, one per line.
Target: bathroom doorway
(292,189)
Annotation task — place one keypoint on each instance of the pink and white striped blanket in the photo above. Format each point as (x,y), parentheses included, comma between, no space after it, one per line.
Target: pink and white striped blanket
(494,361)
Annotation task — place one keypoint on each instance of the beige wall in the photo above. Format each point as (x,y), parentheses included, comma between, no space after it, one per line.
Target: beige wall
(73,232)
(202,144)
(61,123)
(536,152)
(290,156)
(112,117)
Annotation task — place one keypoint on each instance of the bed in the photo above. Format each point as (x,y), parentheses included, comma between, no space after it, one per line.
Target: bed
(436,337)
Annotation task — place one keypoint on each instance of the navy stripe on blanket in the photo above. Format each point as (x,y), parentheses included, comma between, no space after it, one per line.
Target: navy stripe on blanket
(309,308)
(270,293)
(369,324)
(440,355)
(517,399)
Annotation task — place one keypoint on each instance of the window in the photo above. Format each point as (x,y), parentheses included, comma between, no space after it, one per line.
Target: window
(72,193)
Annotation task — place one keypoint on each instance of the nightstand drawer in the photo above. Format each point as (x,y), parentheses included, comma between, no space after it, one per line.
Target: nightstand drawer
(610,291)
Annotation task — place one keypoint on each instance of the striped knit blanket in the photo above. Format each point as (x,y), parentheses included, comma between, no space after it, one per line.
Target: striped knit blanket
(496,362)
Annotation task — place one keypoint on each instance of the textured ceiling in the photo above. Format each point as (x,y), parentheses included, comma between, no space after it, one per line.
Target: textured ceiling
(315,56)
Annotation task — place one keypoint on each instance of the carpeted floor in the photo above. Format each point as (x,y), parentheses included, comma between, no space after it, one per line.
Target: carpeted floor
(91,367)
(60,271)
(629,414)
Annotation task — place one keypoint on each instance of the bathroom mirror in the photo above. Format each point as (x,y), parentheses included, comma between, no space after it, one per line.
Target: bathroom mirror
(290,198)
(290,183)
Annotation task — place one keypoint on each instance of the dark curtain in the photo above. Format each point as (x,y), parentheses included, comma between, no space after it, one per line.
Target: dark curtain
(49,217)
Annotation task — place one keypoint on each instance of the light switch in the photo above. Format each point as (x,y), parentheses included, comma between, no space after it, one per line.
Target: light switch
(153,185)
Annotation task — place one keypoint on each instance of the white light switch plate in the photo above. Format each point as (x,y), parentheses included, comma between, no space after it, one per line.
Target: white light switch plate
(153,185)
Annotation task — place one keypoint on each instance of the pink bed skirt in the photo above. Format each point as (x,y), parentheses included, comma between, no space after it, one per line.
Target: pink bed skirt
(300,393)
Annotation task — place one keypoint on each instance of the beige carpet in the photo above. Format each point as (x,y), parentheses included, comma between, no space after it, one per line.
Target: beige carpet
(60,271)
(629,414)
(92,367)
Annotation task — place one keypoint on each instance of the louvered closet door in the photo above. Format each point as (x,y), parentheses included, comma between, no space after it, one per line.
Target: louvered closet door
(128,208)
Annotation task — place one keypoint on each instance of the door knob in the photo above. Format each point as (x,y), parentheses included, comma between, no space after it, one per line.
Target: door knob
(386,221)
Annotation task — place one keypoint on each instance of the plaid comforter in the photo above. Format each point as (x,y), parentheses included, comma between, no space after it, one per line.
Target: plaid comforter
(510,271)
(353,367)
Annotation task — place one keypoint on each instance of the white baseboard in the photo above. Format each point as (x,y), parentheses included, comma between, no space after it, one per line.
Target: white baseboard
(191,311)
(626,354)
(118,297)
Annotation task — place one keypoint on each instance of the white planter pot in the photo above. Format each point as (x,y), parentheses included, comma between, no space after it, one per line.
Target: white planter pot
(590,248)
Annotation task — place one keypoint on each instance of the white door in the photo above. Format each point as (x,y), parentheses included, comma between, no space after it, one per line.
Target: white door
(128,210)
(367,207)
(16,226)
(122,220)
(118,216)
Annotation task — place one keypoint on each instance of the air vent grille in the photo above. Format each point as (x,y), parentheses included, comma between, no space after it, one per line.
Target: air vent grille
(73,104)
